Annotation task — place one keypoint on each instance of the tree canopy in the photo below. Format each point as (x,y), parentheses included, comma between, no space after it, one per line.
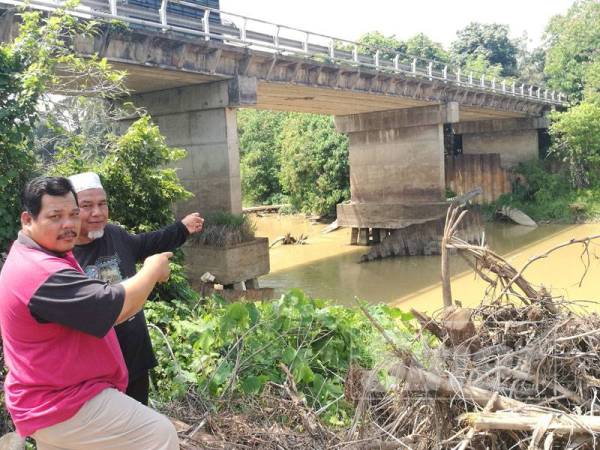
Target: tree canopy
(489,42)
(573,46)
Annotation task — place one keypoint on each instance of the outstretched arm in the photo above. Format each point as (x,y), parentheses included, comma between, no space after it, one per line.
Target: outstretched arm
(70,298)
(168,238)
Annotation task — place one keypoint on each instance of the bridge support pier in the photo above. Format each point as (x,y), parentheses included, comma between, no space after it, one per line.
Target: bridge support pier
(516,140)
(202,120)
(396,167)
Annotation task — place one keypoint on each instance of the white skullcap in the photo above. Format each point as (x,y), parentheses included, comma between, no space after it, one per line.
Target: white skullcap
(85,180)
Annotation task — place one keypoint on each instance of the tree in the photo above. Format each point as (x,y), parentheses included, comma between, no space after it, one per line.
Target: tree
(422,46)
(479,64)
(79,121)
(29,68)
(573,41)
(387,45)
(314,163)
(591,81)
(259,133)
(486,41)
(531,65)
(576,134)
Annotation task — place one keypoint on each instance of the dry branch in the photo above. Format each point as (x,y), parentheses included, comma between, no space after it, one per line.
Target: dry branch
(422,380)
(560,424)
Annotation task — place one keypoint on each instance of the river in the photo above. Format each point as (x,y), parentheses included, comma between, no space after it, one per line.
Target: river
(328,267)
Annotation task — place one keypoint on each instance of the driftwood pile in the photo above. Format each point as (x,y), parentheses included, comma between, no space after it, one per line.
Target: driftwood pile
(521,371)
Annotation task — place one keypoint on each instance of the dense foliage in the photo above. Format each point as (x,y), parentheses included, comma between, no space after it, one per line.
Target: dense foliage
(222,349)
(488,42)
(419,45)
(546,194)
(29,70)
(314,163)
(295,158)
(140,189)
(259,133)
(573,41)
(577,140)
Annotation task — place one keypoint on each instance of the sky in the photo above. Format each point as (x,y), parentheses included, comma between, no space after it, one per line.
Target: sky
(438,19)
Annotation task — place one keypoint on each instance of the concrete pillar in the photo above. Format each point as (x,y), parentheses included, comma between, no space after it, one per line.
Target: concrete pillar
(202,120)
(396,166)
(516,140)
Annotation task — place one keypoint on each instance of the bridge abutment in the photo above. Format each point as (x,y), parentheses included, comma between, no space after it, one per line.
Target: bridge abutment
(396,167)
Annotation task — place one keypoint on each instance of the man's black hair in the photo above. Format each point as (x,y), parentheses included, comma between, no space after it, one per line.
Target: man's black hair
(38,187)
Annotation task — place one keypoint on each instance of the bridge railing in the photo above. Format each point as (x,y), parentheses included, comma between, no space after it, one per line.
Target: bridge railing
(234,29)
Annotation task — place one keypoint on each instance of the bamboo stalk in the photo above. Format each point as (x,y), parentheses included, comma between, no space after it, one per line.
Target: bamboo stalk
(528,421)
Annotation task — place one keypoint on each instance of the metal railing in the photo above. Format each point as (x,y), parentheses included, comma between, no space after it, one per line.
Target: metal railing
(237,30)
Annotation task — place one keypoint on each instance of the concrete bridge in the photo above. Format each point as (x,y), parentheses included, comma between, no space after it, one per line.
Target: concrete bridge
(192,73)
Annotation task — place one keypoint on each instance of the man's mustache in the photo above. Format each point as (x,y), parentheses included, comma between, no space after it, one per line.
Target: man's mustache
(67,234)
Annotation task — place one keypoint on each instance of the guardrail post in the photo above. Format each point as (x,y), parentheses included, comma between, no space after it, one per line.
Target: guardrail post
(243,30)
(493,84)
(545,94)
(397,63)
(504,86)
(305,44)
(553,95)
(206,25)
(355,53)
(531,91)
(483,80)
(430,70)
(445,72)
(413,66)
(513,88)
(470,78)
(113,7)
(163,14)
(458,75)
(377,59)
(522,89)
(276,37)
(332,49)
(539,92)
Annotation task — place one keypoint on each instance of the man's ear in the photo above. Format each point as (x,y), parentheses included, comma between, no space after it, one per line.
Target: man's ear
(26,219)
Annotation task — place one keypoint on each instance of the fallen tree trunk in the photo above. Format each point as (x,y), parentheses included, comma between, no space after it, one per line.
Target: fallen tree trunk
(529,421)
(419,379)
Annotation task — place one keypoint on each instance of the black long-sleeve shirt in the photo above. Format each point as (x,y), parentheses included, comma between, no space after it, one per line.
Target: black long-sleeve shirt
(113,258)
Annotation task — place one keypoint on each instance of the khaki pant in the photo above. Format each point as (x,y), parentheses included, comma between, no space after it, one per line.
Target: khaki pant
(110,420)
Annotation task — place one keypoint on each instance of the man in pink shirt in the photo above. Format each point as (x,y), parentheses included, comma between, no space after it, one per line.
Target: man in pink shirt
(66,373)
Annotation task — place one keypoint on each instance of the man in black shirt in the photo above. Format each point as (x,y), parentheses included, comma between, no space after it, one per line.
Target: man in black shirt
(108,252)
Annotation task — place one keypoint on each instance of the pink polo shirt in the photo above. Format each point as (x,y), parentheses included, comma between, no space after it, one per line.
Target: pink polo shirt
(57,331)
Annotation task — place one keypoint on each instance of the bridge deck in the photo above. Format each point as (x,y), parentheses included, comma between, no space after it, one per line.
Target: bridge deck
(296,70)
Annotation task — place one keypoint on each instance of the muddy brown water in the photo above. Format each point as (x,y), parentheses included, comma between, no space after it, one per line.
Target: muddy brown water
(328,267)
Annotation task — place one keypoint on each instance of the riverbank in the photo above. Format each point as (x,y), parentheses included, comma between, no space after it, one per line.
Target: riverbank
(328,267)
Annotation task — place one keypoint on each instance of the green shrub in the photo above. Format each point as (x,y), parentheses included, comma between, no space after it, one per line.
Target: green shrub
(222,348)
(548,196)
(223,229)
(576,135)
